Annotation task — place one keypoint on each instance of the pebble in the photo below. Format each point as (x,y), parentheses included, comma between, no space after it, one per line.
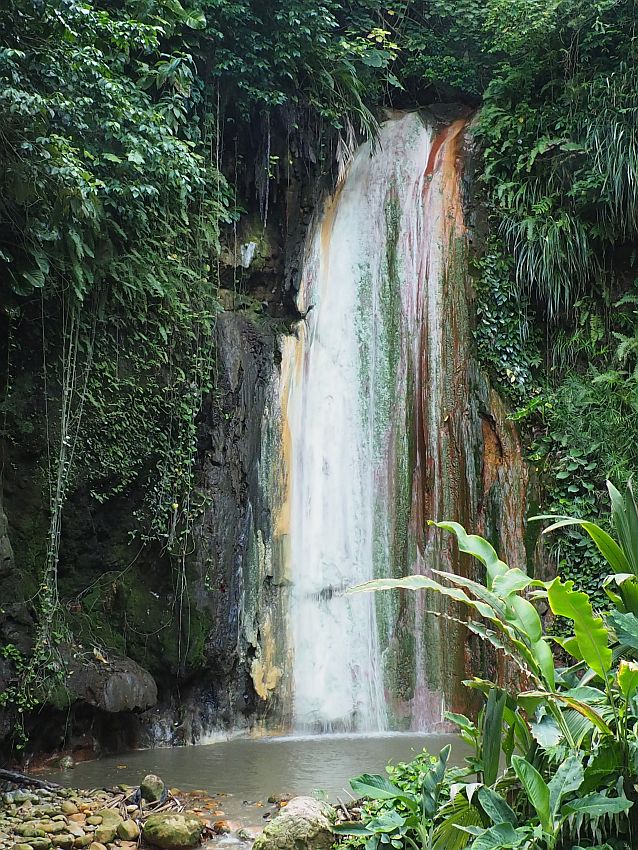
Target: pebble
(69,819)
(68,808)
(75,829)
(128,830)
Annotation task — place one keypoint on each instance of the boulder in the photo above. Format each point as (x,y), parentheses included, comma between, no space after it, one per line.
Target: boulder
(172,831)
(304,823)
(105,833)
(113,685)
(128,830)
(152,788)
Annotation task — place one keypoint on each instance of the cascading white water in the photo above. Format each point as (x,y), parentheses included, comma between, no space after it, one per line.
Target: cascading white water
(346,409)
(379,422)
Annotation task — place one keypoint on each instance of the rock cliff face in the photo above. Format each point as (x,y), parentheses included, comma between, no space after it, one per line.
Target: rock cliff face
(159,654)
(164,654)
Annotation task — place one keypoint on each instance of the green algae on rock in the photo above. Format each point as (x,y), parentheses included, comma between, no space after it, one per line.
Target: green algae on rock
(304,822)
(172,831)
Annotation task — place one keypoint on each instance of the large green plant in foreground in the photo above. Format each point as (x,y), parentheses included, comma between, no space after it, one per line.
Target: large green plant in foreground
(622,556)
(558,757)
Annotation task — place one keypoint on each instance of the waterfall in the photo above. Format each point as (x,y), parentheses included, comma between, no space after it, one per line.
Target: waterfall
(383,423)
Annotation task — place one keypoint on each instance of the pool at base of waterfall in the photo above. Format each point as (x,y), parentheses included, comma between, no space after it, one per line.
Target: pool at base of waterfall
(244,772)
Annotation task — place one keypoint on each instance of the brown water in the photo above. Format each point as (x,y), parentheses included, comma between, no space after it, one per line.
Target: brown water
(244,772)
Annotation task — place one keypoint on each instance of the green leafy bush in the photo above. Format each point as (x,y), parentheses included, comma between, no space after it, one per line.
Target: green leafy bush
(554,761)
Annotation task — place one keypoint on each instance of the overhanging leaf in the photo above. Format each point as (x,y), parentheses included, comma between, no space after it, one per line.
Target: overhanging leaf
(590,631)
(569,777)
(535,788)
(479,548)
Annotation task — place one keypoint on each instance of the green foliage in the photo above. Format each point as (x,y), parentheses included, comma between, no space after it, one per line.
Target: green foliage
(559,131)
(559,141)
(111,208)
(100,186)
(408,810)
(503,327)
(321,59)
(569,743)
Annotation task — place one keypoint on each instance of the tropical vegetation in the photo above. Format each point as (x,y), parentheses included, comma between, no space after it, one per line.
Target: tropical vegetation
(554,752)
(137,135)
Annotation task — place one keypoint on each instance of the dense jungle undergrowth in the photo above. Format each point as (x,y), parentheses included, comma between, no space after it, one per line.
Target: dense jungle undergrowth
(136,134)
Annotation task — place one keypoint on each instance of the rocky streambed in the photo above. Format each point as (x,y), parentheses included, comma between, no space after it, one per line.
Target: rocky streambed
(150,816)
(122,818)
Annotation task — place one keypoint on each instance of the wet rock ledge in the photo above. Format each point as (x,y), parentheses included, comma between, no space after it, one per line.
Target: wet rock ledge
(124,818)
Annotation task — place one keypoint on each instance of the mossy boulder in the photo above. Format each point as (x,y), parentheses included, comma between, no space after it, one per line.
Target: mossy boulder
(304,824)
(172,831)
(152,788)
(128,830)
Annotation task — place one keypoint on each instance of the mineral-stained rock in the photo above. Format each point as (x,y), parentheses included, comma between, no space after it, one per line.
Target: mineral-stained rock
(305,823)
(172,831)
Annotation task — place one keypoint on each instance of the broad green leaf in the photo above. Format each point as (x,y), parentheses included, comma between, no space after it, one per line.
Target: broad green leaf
(455,816)
(627,677)
(419,582)
(627,598)
(492,733)
(460,720)
(571,702)
(513,581)
(495,807)
(535,788)
(625,515)
(570,645)
(595,805)
(479,590)
(351,828)
(546,731)
(503,835)
(543,654)
(525,616)
(569,777)
(432,783)
(375,786)
(626,628)
(474,545)
(590,631)
(195,20)
(606,544)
